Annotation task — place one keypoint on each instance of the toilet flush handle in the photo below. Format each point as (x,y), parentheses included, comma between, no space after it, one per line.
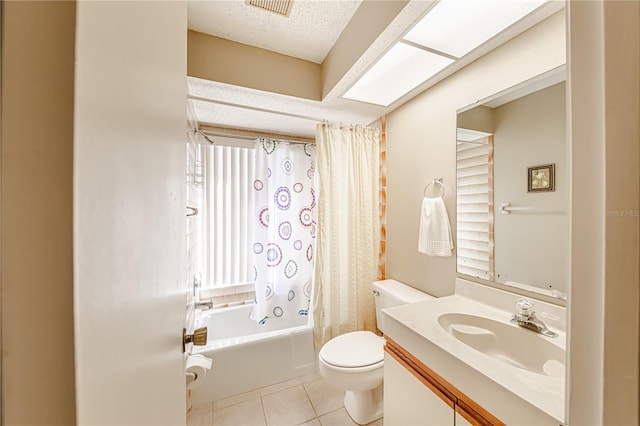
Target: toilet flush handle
(198,338)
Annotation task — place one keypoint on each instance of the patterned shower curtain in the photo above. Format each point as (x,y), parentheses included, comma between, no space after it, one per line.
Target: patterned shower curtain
(284,235)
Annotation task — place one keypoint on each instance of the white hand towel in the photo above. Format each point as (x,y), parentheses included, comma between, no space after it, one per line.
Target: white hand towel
(435,230)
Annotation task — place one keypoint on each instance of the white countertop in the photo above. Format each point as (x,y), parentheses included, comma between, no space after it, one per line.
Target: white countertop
(544,392)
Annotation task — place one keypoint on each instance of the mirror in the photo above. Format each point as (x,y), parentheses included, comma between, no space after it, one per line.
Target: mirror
(513,187)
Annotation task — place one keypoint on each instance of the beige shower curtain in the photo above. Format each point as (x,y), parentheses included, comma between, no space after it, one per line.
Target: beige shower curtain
(348,236)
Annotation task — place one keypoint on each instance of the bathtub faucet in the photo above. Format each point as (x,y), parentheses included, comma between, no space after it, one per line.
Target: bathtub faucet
(208,304)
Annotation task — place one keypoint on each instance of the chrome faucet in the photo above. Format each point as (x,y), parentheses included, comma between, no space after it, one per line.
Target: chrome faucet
(197,283)
(526,317)
(208,304)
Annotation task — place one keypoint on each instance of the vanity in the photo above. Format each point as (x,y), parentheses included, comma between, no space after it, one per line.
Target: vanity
(458,360)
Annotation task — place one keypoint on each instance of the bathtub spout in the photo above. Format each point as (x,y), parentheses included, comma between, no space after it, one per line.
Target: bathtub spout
(200,305)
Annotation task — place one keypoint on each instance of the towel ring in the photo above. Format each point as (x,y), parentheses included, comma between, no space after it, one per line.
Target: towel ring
(435,182)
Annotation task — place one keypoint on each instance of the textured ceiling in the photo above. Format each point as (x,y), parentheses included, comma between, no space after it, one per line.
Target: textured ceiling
(309,32)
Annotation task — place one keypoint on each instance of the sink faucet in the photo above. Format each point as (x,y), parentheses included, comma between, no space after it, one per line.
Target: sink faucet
(526,317)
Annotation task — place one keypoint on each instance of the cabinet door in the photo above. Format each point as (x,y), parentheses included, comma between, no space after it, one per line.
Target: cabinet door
(408,401)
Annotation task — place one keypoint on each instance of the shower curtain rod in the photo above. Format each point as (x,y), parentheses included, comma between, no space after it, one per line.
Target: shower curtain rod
(250,135)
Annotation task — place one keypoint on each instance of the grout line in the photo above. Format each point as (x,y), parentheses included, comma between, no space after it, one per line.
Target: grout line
(313,407)
(264,413)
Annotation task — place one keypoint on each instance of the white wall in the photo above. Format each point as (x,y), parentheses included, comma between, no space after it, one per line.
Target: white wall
(129,212)
(604,301)
(531,248)
(421,145)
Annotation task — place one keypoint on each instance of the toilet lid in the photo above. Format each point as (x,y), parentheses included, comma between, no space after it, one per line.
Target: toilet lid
(355,349)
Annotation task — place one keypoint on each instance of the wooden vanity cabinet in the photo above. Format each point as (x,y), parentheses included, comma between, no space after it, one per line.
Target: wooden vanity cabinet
(415,395)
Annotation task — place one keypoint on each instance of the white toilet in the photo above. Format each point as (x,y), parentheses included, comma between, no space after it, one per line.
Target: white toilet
(353,361)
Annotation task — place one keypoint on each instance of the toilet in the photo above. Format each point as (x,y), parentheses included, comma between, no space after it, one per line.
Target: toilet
(353,361)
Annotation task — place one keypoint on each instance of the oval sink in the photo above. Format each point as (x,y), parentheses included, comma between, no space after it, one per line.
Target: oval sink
(508,343)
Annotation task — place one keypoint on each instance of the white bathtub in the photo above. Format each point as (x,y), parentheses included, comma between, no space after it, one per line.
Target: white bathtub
(247,355)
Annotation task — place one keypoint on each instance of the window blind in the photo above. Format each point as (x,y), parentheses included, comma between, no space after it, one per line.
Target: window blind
(228,216)
(474,166)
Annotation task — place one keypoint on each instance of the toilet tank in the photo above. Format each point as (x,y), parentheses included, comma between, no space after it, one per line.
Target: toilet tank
(393,293)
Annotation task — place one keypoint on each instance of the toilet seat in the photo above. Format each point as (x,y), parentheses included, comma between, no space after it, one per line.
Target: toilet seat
(355,350)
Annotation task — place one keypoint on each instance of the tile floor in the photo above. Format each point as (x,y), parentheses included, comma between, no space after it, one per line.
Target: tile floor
(304,401)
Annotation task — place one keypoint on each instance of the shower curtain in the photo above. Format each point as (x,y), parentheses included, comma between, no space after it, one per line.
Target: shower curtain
(348,230)
(284,235)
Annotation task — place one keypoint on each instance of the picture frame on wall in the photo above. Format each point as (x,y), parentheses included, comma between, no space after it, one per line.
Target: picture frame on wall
(541,178)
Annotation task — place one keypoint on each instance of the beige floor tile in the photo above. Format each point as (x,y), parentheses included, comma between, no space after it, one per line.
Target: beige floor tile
(200,416)
(236,399)
(379,422)
(337,418)
(267,390)
(324,397)
(313,422)
(288,407)
(248,413)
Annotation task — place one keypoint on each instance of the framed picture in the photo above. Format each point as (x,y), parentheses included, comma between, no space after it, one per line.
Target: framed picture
(541,178)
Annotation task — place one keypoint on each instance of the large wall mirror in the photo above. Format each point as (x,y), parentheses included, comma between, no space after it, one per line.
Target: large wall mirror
(513,187)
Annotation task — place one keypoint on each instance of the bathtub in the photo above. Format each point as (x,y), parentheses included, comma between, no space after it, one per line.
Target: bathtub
(247,355)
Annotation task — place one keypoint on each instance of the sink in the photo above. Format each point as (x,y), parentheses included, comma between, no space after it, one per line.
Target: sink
(506,342)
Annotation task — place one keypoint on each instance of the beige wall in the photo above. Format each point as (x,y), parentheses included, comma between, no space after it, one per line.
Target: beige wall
(532,249)
(36,254)
(217,59)
(479,118)
(604,111)
(622,192)
(421,145)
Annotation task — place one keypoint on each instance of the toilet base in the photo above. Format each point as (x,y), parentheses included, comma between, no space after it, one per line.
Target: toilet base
(364,406)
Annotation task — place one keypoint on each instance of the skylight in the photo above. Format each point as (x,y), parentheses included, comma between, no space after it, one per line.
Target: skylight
(456,27)
(450,30)
(401,69)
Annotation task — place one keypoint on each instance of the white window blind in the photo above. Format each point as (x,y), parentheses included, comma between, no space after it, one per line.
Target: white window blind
(228,215)
(475,208)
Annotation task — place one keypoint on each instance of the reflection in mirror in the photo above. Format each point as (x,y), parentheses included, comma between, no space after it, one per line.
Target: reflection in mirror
(513,187)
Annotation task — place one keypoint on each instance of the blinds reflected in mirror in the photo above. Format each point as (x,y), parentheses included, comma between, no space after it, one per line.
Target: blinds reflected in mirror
(474,167)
